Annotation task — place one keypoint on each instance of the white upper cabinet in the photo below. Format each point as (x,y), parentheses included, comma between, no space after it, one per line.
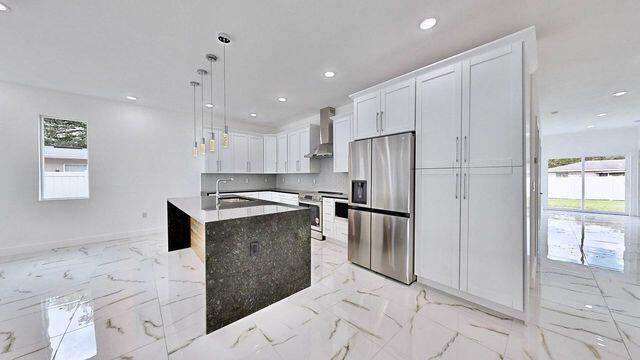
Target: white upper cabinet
(366,115)
(341,139)
(282,153)
(492,249)
(270,154)
(398,108)
(213,157)
(300,143)
(437,245)
(439,118)
(492,109)
(383,112)
(293,143)
(239,143)
(256,155)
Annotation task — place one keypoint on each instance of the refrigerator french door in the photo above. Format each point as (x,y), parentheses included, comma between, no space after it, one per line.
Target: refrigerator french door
(381,173)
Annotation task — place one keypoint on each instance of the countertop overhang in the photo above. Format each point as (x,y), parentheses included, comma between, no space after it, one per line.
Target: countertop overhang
(204,208)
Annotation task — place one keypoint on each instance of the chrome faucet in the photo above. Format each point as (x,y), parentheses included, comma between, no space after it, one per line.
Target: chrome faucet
(218,188)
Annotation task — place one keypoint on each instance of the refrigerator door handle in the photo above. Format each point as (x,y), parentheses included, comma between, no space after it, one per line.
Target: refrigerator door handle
(457,149)
(464,187)
(457,184)
(466,148)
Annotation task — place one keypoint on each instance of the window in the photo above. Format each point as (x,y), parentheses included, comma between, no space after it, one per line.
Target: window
(595,184)
(64,159)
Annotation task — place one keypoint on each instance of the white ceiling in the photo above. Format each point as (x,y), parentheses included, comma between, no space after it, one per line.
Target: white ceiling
(588,49)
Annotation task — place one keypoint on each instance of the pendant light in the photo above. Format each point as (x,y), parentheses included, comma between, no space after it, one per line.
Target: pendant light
(202,73)
(194,84)
(225,40)
(212,142)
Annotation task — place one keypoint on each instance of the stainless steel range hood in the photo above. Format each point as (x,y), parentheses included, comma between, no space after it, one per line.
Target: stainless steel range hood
(325,149)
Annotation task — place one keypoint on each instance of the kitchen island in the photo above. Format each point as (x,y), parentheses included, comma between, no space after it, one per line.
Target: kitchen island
(255,252)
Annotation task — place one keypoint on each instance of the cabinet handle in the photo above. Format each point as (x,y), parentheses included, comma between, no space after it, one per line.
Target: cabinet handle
(464,187)
(466,148)
(286,168)
(247,166)
(377,126)
(381,128)
(457,149)
(457,184)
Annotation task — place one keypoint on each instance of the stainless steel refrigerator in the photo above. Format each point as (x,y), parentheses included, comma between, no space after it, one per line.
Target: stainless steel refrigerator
(381,203)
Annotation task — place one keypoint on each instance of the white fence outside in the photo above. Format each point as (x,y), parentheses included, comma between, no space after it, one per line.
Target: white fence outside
(60,185)
(595,187)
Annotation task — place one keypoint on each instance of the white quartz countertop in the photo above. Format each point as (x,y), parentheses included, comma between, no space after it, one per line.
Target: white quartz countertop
(203,208)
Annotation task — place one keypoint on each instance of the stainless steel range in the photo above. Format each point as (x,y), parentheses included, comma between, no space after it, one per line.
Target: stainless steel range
(313,201)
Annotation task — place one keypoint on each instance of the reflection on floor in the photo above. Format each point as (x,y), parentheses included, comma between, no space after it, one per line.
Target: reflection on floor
(130,299)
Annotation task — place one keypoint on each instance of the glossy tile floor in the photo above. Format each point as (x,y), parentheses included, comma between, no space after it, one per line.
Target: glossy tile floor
(130,299)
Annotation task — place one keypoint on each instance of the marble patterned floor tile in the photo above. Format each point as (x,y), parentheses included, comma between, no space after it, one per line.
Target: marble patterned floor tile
(183,321)
(489,329)
(423,338)
(239,340)
(375,317)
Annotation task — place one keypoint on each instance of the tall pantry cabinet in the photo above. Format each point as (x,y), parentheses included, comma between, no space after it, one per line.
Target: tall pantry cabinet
(471,187)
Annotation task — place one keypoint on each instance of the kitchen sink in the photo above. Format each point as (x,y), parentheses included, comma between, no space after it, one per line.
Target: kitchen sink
(234,199)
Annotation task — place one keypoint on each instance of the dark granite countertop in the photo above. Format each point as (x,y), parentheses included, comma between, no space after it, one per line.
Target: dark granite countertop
(204,208)
(288,191)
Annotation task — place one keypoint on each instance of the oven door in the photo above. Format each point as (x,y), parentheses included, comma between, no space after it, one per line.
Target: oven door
(315,214)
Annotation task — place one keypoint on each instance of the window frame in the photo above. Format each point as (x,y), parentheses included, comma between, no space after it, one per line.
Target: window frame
(41,171)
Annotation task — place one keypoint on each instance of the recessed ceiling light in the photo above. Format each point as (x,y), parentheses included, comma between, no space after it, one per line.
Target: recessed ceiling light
(601,114)
(4,7)
(590,126)
(329,74)
(209,105)
(282,99)
(619,93)
(427,24)
(253,114)
(132,98)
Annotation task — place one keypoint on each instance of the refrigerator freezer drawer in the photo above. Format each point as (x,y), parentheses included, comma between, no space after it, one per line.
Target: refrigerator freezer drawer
(392,246)
(359,249)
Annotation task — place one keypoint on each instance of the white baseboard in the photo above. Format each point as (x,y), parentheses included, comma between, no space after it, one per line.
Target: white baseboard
(49,245)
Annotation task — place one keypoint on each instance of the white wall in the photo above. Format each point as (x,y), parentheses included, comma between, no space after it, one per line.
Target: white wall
(138,157)
(594,142)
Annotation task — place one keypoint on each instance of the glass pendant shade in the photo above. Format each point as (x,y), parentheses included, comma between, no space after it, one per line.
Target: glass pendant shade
(225,137)
(212,143)
(203,147)
(195,150)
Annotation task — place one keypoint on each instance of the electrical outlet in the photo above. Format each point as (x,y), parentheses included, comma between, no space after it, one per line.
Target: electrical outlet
(314,181)
(298,180)
(253,248)
(144,214)
(283,179)
(266,180)
(246,180)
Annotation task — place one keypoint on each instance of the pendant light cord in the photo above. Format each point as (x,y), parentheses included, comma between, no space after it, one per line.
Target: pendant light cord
(211,92)
(202,105)
(224,52)
(194,113)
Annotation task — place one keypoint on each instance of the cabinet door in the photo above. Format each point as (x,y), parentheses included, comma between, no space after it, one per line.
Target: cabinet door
(439,118)
(492,108)
(398,108)
(437,229)
(305,148)
(270,155)
(366,111)
(240,145)
(256,154)
(294,152)
(213,157)
(227,164)
(341,138)
(492,257)
(282,155)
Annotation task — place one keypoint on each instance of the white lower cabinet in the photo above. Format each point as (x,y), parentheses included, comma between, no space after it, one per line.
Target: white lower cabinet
(469,231)
(492,253)
(333,227)
(437,229)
